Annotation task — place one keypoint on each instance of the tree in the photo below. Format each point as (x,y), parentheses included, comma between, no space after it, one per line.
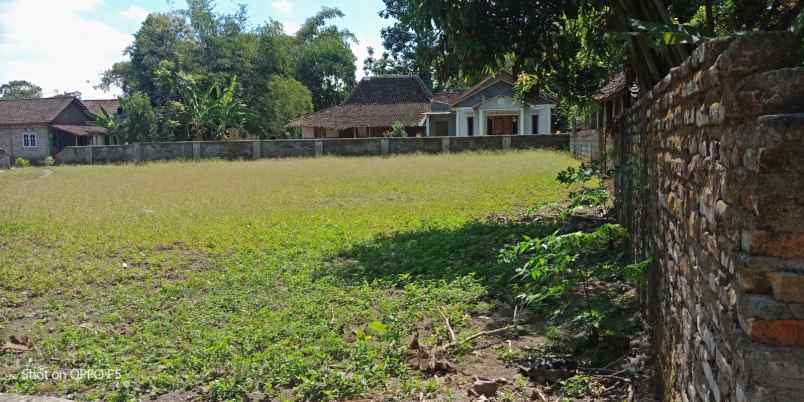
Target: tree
(327,67)
(410,44)
(285,99)
(138,123)
(20,90)
(111,122)
(326,63)
(185,62)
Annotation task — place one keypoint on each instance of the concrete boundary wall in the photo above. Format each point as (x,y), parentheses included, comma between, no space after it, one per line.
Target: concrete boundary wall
(234,150)
(585,145)
(711,186)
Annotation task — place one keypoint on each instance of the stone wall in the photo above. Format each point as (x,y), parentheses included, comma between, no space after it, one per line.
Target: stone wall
(711,184)
(301,148)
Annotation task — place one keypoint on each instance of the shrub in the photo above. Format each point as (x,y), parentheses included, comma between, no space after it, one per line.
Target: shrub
(593,192)
(575,274)
(49,161)
(22,162)
(397,130)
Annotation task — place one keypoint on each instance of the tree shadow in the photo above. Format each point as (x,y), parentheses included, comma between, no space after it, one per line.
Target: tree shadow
(434,254)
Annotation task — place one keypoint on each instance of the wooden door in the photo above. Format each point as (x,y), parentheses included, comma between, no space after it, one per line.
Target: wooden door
(501,125)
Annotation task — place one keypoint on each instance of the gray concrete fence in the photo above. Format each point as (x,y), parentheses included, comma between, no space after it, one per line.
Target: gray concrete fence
(585,145)
(166,151)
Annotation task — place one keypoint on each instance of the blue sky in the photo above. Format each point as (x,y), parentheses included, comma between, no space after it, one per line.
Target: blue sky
(64,45)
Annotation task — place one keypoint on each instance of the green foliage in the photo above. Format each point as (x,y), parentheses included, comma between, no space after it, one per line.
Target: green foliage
(21,162)
(204,72)
(563,272)
(663,35)
(397,130)
(49,161)
(111,122)
(593,191)
(327,67)
(557,263)
(139,122)
(576,386)
(20,90)
(285,99)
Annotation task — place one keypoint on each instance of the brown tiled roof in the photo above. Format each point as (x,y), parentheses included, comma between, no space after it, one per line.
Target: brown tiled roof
(32,111)
(612,88)
(94,106)
(366,115)
(377,101)
(389,89)
(446,97)
(81,130)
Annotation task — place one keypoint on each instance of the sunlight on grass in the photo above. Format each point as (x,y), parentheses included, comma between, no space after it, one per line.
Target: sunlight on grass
(222,278)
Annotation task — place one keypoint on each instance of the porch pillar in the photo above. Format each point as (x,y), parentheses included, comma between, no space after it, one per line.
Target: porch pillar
(458,128)
(522,121)
(481,117)
(427,132)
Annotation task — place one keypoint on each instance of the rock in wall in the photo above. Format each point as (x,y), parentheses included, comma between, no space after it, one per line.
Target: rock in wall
(711,185)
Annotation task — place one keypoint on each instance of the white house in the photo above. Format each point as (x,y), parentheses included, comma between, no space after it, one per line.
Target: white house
(488,108)
(378,102)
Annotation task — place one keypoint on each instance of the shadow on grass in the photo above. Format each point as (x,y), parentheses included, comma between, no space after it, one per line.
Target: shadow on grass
(434,254)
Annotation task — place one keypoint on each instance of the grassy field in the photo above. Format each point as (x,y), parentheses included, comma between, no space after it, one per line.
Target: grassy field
(294,279)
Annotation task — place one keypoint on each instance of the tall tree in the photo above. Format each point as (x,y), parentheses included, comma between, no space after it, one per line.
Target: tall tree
(325,61)
(410,44)
(285,99)
(186,60)
(20,90)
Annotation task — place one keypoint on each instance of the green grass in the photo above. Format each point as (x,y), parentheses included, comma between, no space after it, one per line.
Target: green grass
(298,279)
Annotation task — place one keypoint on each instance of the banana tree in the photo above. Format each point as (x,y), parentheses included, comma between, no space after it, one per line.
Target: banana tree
(112,125)
(229,111)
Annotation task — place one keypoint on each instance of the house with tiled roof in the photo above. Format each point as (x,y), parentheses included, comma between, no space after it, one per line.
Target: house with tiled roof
(98,106)
(37,128)
(378,102)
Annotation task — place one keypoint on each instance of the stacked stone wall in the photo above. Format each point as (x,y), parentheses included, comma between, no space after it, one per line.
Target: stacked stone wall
(710,181)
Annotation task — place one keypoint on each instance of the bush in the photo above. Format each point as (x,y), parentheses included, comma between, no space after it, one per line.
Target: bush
(49,161)
(577,276)
(593,192)
(397,130)
(21,162)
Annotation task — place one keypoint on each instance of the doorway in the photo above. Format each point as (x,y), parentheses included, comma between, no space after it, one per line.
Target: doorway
(502,125)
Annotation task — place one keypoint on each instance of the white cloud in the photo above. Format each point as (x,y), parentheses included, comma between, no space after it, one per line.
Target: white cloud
(283,6)
(60,49)
(135,13)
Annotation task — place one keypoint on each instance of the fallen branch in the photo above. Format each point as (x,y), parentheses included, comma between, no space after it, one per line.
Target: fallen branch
(452,336)
(541,394)
(455,343)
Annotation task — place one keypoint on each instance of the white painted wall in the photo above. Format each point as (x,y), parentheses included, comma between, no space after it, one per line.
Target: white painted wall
(461,123)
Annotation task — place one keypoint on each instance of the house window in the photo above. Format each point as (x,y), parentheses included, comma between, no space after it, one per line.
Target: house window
(320,132)
(515,124)
(29,140)
(535,127)
(470,124)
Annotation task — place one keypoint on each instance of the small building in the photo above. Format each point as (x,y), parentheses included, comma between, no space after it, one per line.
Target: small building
(378,102)
(37,128)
